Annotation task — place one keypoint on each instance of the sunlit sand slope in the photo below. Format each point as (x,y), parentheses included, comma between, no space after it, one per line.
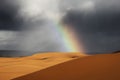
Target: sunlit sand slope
(15,67)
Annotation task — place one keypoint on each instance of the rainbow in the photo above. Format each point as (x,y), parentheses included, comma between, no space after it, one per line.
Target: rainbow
(69,38)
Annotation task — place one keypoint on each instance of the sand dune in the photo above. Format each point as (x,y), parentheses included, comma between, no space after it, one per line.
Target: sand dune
(98,67)
(15,67)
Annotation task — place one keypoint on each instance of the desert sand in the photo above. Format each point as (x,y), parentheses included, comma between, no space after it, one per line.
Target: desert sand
(61,66)
(97,67)
(11,68)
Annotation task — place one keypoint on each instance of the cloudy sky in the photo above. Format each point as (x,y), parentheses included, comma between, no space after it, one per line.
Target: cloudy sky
(28,24)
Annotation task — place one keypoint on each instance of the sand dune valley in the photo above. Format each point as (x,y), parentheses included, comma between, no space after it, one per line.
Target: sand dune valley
(61,66)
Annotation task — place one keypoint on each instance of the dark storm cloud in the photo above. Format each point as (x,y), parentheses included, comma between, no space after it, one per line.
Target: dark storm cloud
(99,27)
(8,16)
